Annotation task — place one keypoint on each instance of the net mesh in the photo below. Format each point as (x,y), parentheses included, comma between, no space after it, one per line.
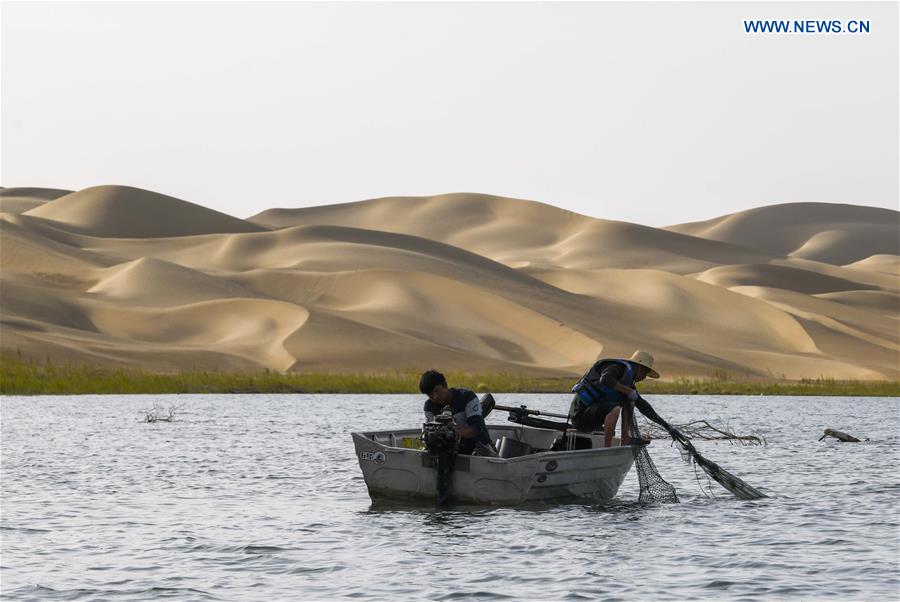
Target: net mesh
(739,488)
(653,488)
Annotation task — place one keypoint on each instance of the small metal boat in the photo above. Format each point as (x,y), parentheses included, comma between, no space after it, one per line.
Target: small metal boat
(534,464)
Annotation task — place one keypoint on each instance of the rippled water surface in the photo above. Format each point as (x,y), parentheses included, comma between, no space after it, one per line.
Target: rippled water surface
(261,497)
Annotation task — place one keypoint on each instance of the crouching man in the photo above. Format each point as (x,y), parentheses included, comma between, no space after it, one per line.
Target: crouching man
(465,408)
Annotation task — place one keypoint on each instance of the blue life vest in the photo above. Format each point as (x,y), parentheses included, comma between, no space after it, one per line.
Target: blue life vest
(590,393)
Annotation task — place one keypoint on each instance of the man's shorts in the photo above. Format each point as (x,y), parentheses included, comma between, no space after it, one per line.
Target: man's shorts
(588,419)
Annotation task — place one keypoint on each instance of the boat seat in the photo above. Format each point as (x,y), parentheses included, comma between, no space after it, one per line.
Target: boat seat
(510,448)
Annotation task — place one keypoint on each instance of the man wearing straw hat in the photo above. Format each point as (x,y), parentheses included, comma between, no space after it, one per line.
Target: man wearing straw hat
(601,393)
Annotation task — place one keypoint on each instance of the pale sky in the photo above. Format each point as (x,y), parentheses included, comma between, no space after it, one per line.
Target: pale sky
(645,112)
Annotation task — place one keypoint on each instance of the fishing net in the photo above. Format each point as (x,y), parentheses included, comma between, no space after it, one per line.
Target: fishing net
(653,488)
(740,489)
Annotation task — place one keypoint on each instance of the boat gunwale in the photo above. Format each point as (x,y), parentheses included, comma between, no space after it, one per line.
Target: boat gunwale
(369,437)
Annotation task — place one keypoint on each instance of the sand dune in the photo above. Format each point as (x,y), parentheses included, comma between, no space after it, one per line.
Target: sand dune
(865,279)
(839,332)
(688,308)
(777,276)
(150,282)
(520,233)
(26,302)
(251,328)
(124,212)
(19,200)
(477,321)
(120,276)
(831,233)
(878,302)
(333,343)
(858,323)
(24,251)
(889,264)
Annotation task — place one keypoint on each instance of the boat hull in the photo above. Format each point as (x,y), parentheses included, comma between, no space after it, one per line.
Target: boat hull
(391,467)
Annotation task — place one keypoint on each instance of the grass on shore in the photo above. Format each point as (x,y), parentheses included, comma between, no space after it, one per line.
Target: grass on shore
(20,376)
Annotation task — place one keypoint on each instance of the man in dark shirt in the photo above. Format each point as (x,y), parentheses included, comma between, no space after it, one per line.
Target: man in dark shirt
(466,410)
(608,386)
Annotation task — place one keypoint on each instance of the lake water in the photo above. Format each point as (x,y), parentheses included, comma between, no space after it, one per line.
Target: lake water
(260,497)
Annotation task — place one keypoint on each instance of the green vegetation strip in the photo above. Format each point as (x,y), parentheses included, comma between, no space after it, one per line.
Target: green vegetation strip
(20,376)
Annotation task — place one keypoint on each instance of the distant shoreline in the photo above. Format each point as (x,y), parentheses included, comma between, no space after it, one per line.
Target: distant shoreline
(25,377)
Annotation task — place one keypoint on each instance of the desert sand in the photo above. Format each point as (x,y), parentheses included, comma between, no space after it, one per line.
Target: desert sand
(117,276)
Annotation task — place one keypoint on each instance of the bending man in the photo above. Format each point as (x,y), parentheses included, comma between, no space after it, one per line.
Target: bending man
(601,393)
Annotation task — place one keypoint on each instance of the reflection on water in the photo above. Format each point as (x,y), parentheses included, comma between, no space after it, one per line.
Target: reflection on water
(250,497)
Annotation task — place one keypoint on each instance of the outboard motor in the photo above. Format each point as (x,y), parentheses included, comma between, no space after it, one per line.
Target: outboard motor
(440,439)
(439,435)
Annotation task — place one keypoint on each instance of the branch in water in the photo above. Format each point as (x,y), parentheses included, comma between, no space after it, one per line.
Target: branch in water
(158,414)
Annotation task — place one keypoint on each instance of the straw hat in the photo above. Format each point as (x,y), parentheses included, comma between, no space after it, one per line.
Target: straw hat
(642,358)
